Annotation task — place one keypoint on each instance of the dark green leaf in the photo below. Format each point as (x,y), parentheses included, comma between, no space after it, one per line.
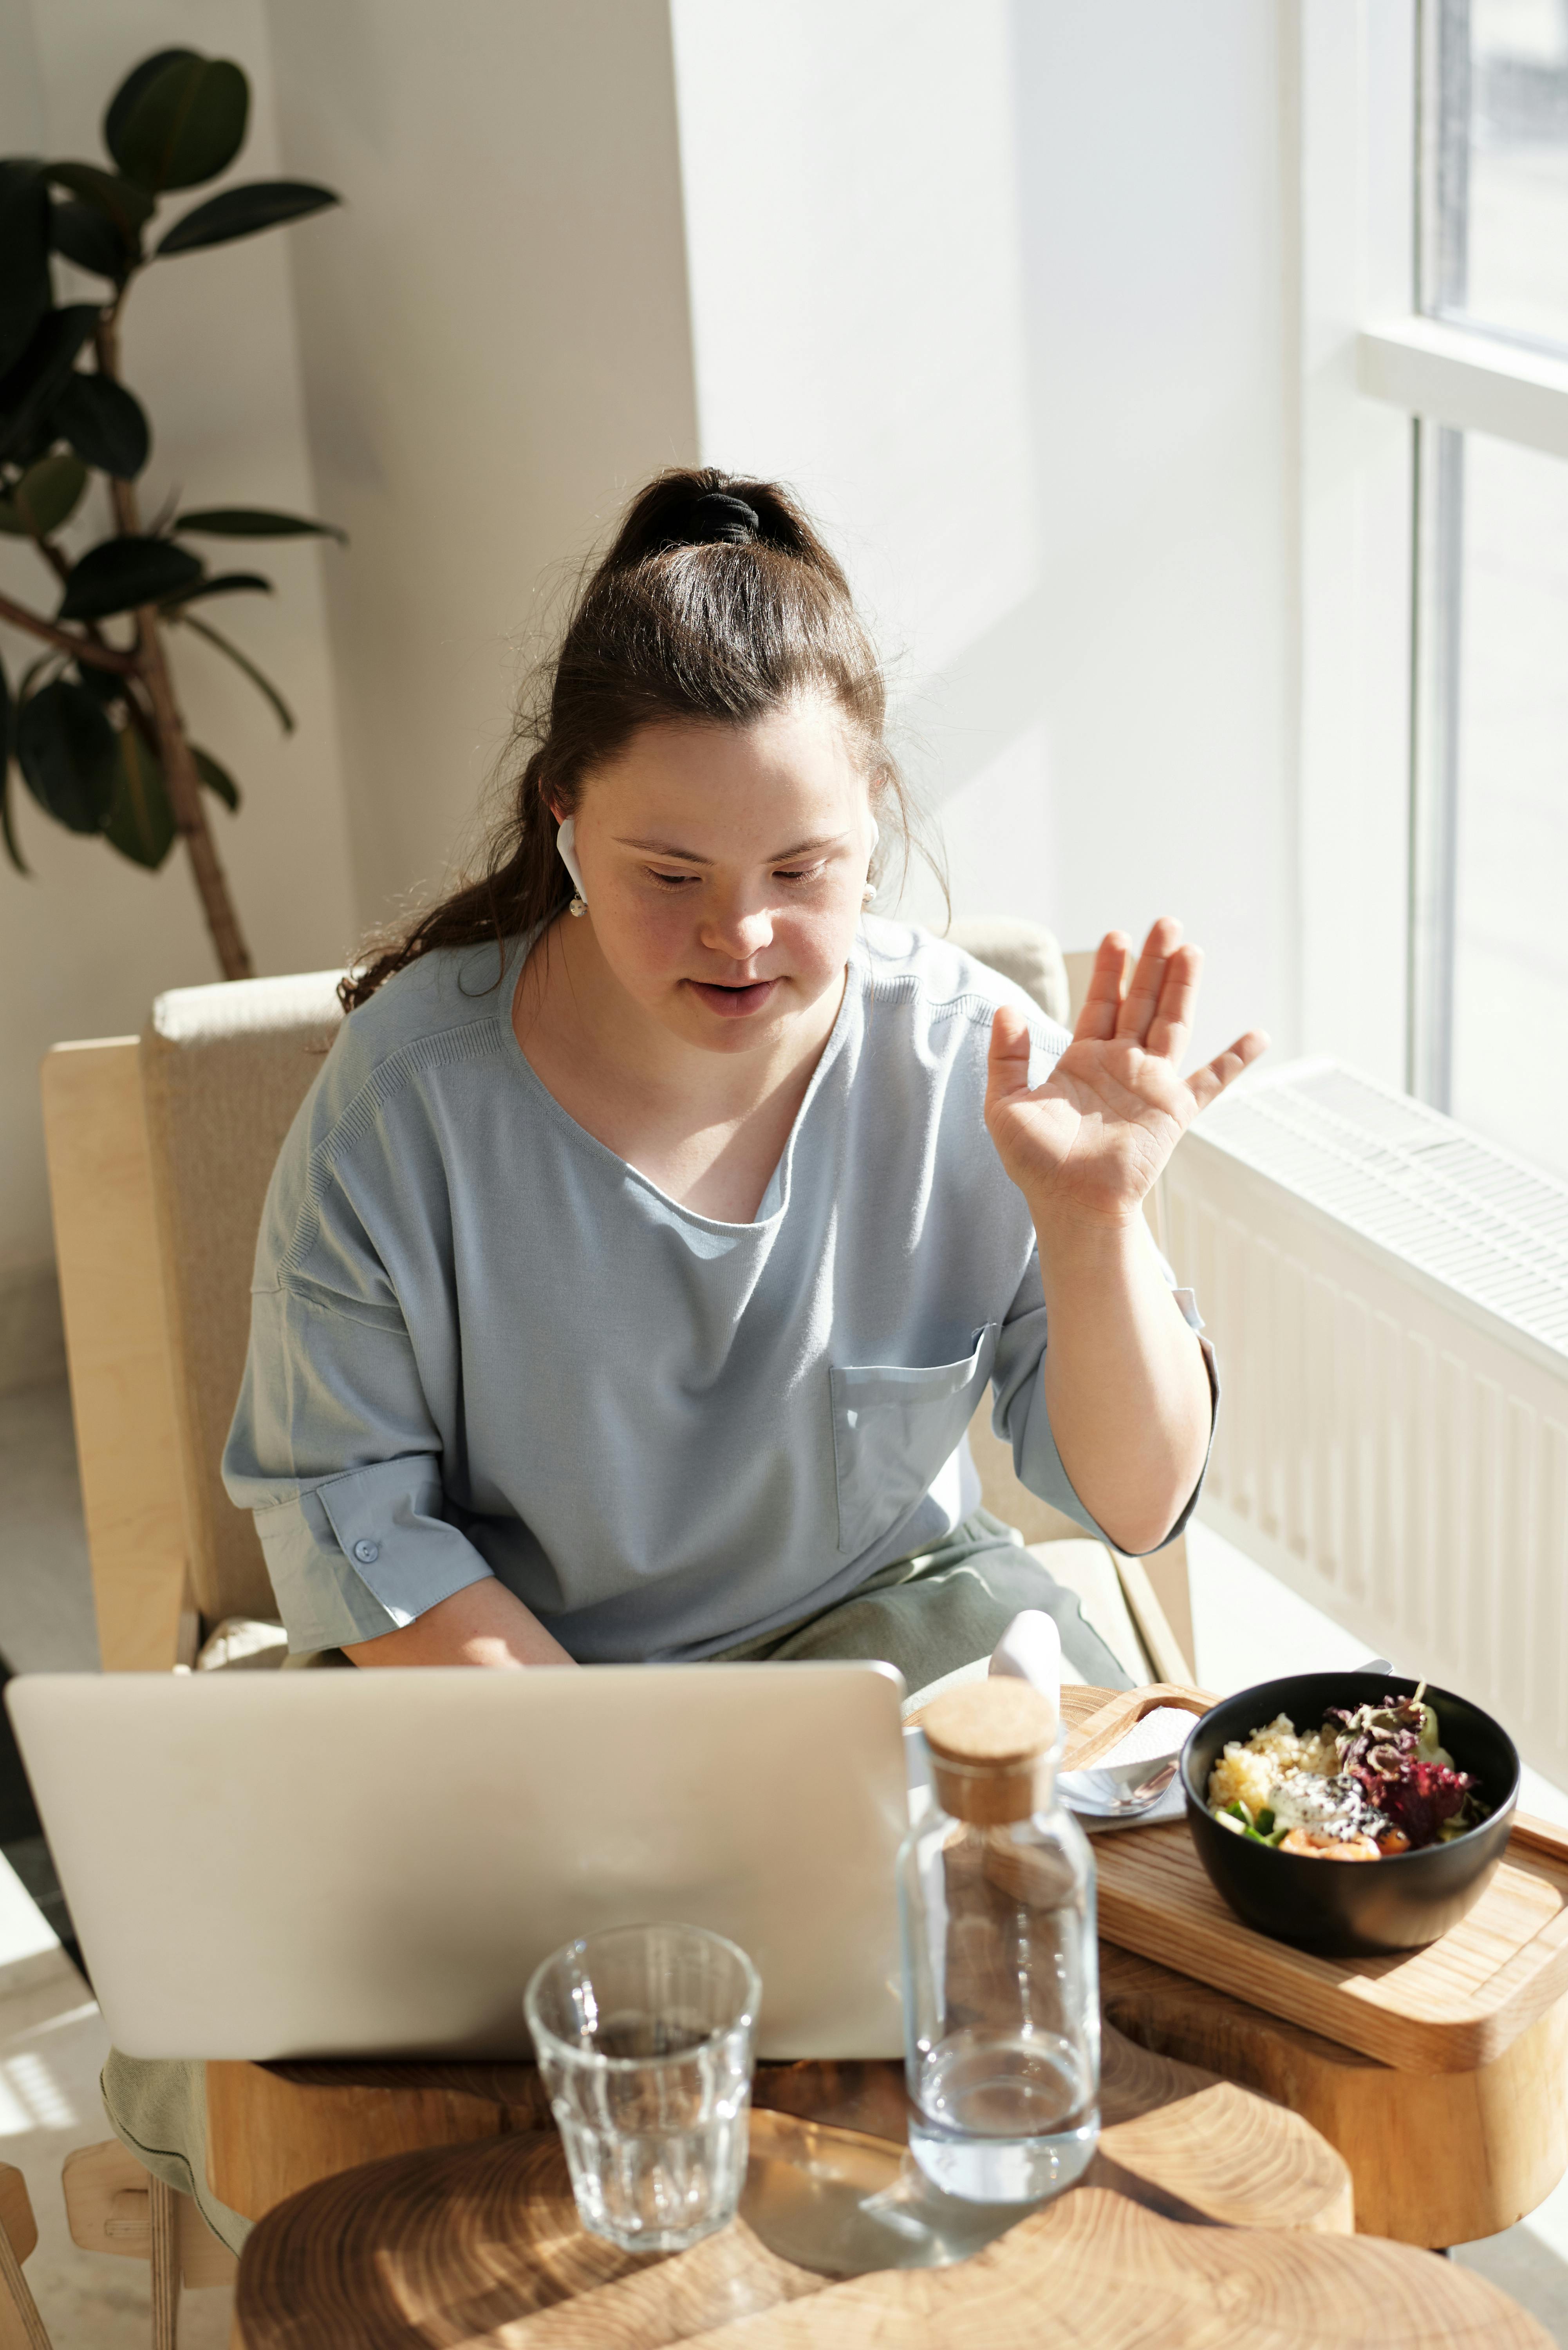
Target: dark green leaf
(264,685)
(7,830)
(122,573)
(240,211)
(54,662)
(217,779)
(119,200)
(104,423)
(178,125)
(25,292)
(134,89)
(47,494)
(66,749)
(30,385)
(7,752)
(83,235)
(257,522)
(142,816)
(105,685)
(224,583)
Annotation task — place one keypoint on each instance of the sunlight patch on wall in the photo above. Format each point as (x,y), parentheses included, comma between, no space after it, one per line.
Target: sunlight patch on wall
(853,244)
(996,834)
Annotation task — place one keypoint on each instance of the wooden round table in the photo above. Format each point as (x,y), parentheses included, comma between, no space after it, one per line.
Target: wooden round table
(1223,2218)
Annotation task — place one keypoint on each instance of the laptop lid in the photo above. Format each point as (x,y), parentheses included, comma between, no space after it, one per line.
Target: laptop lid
(320,1864)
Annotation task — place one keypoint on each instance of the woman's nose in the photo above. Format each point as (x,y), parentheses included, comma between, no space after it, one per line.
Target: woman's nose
(738,930)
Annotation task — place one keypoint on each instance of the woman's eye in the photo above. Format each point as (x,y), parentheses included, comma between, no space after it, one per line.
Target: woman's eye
(799,872)
(670,880)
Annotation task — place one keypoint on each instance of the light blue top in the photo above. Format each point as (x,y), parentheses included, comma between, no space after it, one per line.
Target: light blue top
(481,1344)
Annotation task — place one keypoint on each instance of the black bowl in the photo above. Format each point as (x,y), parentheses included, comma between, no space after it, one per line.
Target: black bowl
(1344,1908)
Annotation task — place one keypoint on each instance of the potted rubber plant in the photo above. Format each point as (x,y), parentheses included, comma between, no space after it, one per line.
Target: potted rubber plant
(93,724)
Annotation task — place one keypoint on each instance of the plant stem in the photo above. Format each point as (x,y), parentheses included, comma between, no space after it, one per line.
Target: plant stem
(185,795)
(184,785)
(80,648)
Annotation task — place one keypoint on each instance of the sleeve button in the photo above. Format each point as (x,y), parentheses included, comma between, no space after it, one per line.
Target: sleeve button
(366,1553)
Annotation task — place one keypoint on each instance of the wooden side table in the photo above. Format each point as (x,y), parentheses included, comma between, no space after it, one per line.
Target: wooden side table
(1436,2158)
(1224,2214)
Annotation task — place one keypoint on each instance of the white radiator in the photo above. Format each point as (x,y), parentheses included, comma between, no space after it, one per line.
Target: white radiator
(1388,1296)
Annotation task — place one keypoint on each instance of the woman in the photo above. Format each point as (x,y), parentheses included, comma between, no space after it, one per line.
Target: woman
(657,1221)
(630,1275)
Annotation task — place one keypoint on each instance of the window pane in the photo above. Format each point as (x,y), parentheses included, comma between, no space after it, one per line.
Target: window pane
(1509,1013)
(1495,149)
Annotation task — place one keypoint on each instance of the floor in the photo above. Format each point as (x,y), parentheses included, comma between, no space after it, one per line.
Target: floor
(52,2037)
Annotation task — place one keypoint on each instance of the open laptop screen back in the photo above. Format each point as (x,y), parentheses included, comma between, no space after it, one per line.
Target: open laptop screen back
(292,1865)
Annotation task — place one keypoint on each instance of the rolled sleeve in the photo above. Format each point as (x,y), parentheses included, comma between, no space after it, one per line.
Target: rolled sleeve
(334,1450)
(387,1522)
(1020,1417)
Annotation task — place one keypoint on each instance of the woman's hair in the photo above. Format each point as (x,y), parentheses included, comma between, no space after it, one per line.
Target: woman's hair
(716,604)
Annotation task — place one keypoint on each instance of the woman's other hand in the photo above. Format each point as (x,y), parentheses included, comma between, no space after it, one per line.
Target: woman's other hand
(1090,1143)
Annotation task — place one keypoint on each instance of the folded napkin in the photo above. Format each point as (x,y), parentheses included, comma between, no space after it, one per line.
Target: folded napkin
(1168,1727)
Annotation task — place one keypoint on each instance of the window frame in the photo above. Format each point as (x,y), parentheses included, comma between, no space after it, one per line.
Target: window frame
(1349,164)
(1441,377)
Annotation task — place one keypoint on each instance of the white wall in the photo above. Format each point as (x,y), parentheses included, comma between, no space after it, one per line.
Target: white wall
(495,351)
(1001,289)
(210,347)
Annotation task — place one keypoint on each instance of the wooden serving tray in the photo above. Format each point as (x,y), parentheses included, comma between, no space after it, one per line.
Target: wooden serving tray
(1449,2008)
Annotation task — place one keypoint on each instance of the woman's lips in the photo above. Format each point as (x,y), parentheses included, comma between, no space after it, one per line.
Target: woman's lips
(734,1003)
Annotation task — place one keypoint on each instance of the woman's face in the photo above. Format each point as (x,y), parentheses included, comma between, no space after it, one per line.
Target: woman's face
(725,868)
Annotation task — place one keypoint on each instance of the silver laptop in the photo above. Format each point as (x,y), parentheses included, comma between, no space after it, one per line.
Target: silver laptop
(321,1863)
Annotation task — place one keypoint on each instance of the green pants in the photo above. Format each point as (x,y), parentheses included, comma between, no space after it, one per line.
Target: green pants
(938,1609)
(928,1614)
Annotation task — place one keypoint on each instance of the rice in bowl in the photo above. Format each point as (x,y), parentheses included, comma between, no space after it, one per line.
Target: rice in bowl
(1250,1773)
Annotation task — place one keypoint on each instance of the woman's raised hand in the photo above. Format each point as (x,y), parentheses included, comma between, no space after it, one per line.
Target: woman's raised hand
(1091,1140)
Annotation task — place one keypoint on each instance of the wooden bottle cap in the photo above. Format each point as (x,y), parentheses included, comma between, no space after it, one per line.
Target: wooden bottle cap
(991,1743)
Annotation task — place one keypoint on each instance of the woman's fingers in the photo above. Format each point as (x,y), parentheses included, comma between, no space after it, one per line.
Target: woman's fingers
(1143,996)
(1209,1083)
(1098,1020)
(1172,1022)
(1007,1067)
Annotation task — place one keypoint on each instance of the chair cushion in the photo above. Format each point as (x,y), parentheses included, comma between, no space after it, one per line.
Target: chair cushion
(1023,953)
(223,1070)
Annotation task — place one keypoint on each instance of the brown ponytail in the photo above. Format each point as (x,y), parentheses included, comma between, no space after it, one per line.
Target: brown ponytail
(717,603)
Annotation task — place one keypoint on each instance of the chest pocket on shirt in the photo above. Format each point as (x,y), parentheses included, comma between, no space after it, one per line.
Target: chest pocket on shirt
(892,1430)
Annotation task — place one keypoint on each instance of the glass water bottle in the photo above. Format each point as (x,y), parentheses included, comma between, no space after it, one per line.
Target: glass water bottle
(1001,2015)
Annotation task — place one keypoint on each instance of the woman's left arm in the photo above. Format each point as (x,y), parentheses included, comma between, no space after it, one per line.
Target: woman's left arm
(1126,1386)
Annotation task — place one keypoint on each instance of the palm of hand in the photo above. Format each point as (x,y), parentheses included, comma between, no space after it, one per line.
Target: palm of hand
(1092,1141)
(1097,1133)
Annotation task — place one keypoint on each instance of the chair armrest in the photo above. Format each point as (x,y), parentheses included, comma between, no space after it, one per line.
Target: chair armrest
(105,1239)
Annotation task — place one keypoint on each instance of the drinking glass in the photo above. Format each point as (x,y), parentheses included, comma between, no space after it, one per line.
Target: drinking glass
(644,2035)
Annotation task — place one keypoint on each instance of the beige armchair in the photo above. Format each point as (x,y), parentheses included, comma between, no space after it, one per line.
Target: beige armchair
(159,1152)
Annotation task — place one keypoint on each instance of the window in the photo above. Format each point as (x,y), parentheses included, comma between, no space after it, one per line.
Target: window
(1494,228)
(1488,934)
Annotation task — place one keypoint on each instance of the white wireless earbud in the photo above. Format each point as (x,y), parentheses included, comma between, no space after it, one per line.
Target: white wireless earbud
(565,845)
(870,889)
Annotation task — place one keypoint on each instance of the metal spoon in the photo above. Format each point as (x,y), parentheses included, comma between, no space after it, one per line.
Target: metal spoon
(1104,1795)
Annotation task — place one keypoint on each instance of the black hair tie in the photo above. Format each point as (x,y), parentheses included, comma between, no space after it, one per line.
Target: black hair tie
(716,517)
